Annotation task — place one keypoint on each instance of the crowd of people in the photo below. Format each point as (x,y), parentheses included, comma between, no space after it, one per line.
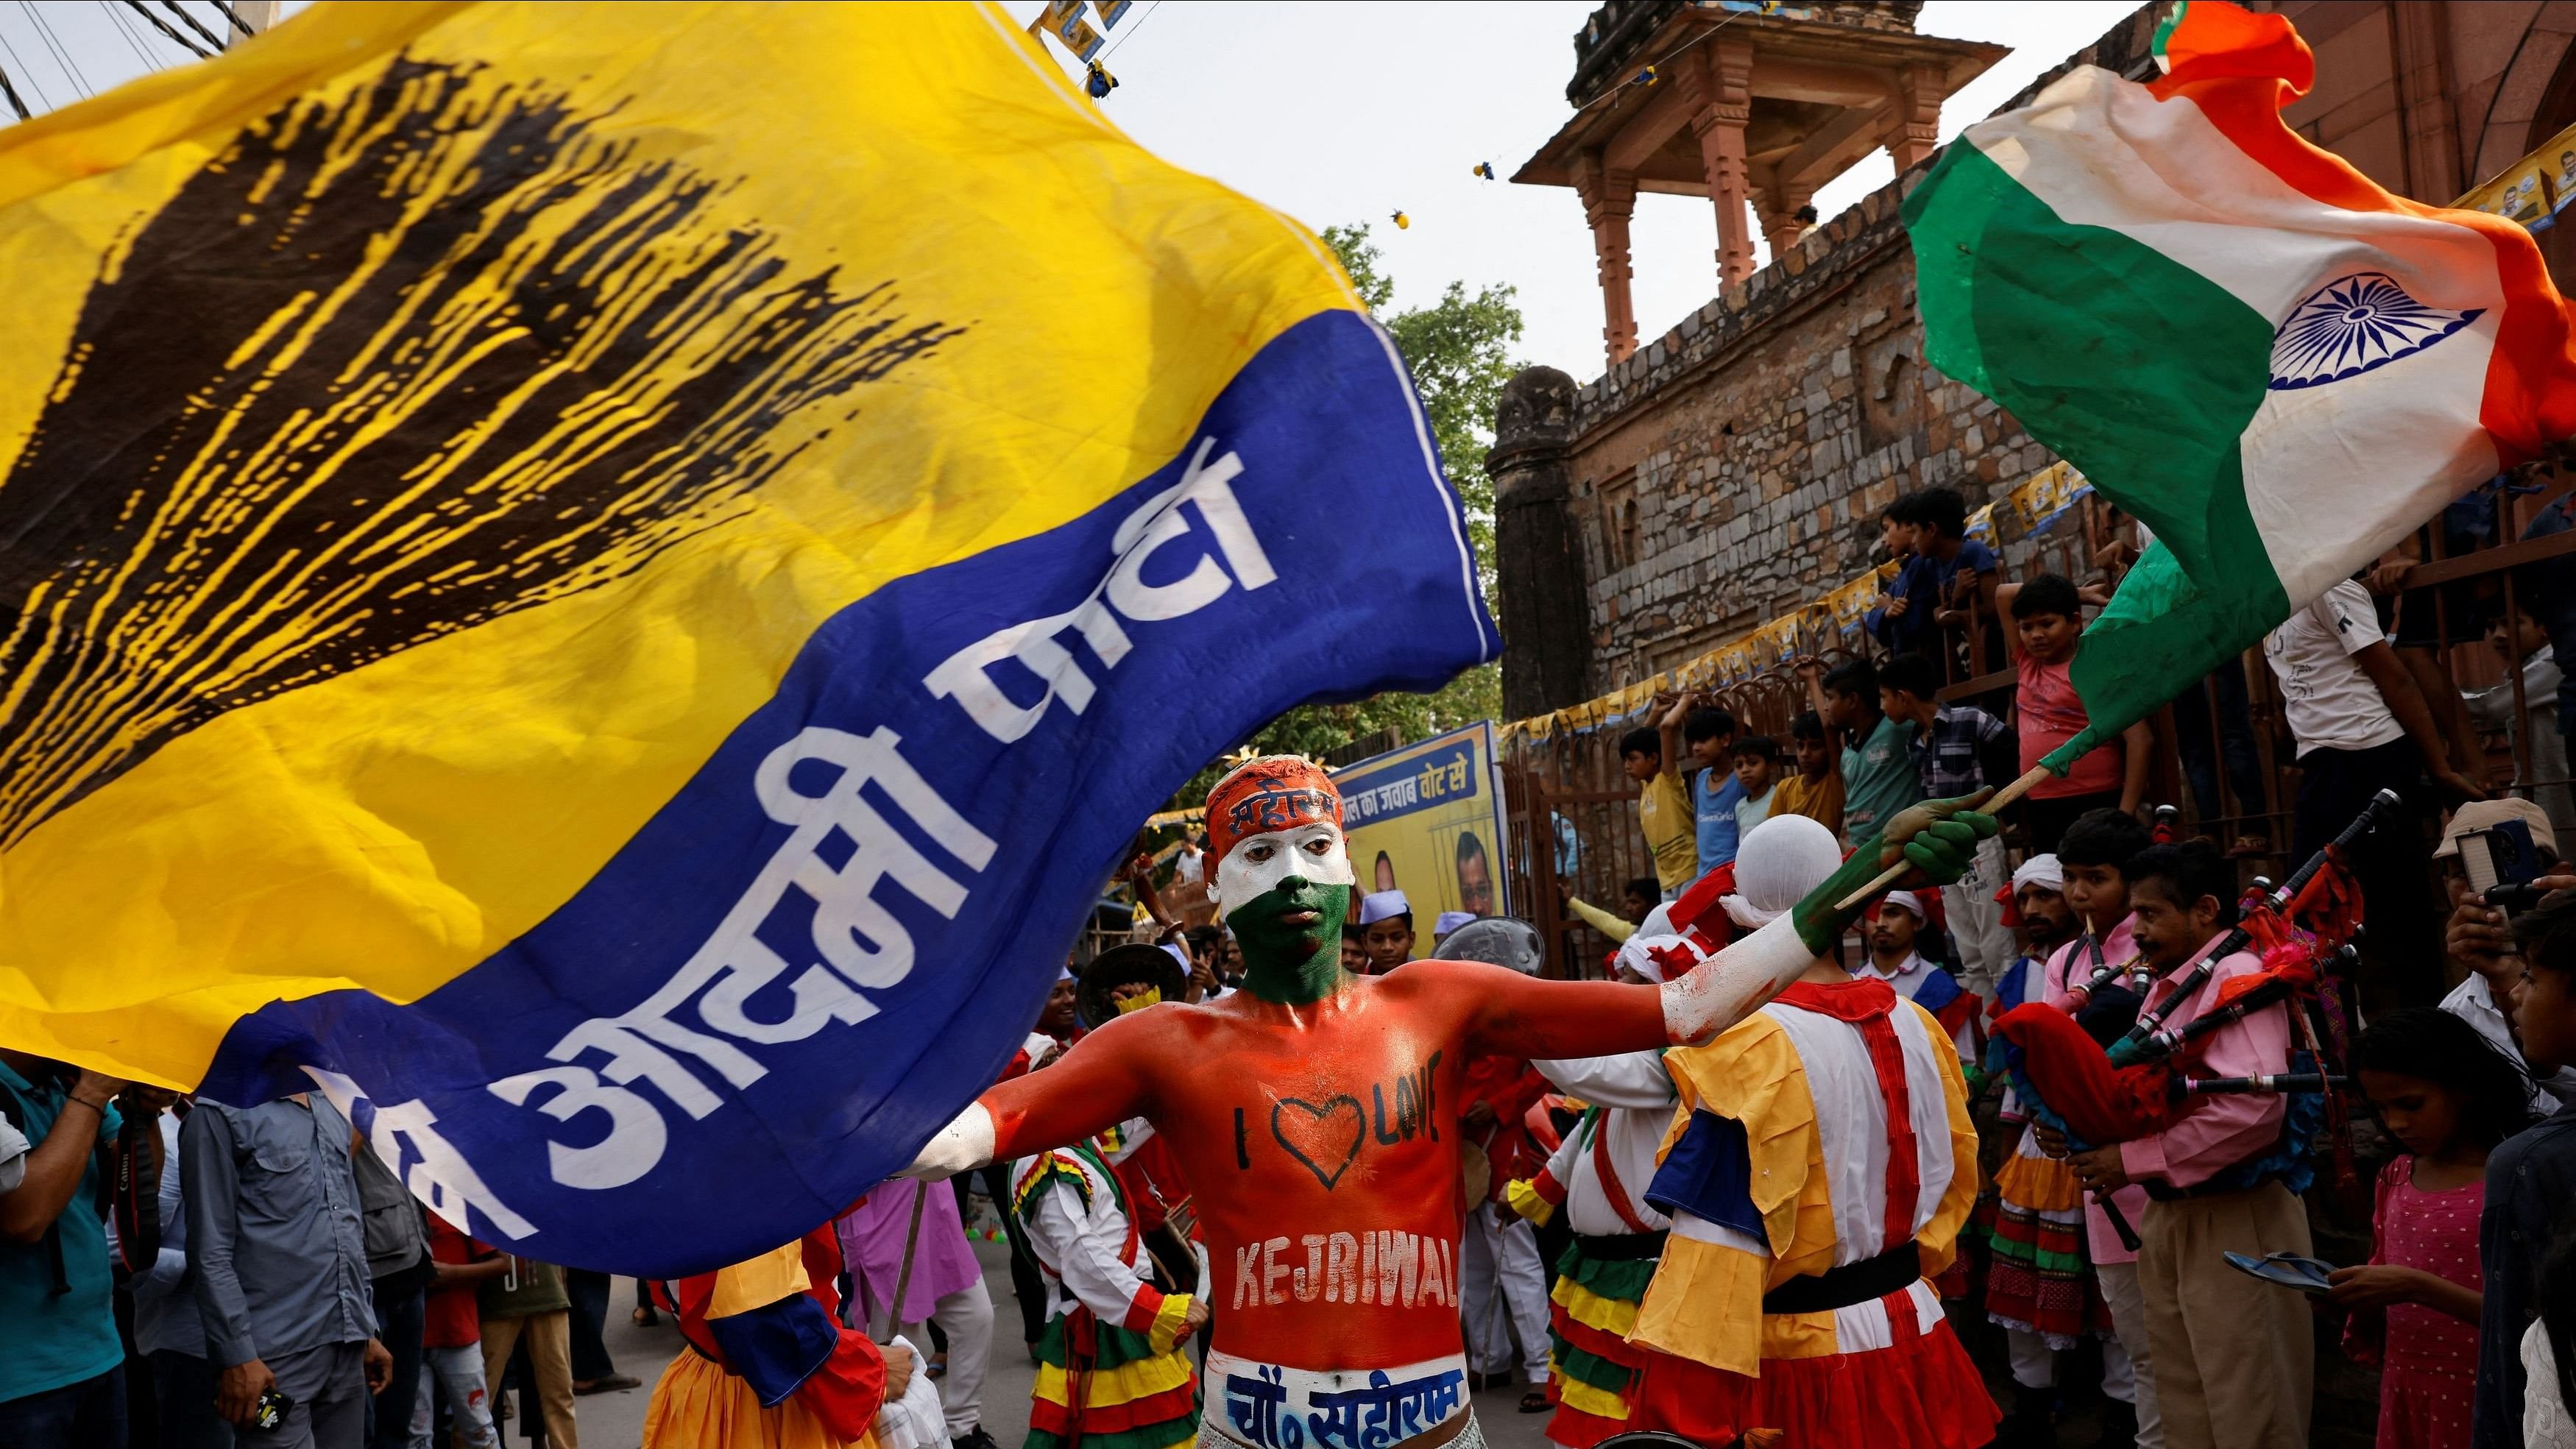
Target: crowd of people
(2183,1348)
(1653,1238)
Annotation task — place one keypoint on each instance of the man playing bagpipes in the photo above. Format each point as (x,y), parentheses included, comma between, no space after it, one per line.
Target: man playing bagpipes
(2060,1272)
(2233,1356)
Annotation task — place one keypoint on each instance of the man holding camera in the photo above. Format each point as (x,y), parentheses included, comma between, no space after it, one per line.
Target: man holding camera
(2480,939)
(62,1381)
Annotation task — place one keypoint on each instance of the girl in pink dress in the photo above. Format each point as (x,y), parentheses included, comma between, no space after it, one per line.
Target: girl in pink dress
(2447,1097)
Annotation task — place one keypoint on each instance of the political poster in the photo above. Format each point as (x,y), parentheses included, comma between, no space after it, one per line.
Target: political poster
(1427,820)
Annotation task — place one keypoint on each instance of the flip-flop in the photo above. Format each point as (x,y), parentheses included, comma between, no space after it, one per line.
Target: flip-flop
(1535,1402)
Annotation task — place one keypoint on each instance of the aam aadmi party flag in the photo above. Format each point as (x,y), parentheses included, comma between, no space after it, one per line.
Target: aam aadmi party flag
(2279,366)
(607,583)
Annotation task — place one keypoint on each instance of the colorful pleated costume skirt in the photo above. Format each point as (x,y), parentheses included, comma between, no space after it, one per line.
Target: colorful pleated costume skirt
(1592,1368)
(2040,1280)
(697,1403)
(1108,1383)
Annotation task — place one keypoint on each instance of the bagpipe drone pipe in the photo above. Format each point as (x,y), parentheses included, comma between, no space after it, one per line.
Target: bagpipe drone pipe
(2100,1093)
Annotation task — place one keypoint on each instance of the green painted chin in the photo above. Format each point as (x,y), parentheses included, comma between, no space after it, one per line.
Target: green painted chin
(1291,936)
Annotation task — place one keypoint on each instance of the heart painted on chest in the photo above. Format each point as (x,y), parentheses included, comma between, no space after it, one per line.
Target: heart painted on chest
(1317,1136)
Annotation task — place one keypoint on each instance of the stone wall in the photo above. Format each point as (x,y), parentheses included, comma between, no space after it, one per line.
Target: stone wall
(1735,468)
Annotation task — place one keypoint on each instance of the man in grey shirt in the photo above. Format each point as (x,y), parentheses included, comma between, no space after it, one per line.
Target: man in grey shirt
(280,1261)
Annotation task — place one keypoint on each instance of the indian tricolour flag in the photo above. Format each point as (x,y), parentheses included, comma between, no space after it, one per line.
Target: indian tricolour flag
(2279,366)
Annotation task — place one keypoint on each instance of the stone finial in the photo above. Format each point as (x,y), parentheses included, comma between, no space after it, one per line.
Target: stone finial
(1536,410)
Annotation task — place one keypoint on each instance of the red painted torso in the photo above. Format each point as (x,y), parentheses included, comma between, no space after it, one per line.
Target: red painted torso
(1320,1142)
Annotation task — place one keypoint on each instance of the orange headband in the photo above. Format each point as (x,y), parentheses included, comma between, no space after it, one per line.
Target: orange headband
(1274,792)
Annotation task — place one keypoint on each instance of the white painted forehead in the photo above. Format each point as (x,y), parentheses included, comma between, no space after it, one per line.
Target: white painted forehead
(1293,835)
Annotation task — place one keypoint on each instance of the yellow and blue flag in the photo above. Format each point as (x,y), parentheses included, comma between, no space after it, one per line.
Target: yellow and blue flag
(605,583)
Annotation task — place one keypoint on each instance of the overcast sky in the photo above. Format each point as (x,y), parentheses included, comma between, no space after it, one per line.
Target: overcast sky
(1334,113)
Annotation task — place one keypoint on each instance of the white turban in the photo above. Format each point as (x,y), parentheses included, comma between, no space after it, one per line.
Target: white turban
(2042,871)
(1777,864)
(1904,901)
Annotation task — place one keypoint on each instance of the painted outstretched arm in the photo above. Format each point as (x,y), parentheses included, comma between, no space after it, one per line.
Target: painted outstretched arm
(1939,837)
(1094,1086)
(1550,1020)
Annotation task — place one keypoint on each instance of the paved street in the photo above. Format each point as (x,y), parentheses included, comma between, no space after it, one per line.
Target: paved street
(616,1421)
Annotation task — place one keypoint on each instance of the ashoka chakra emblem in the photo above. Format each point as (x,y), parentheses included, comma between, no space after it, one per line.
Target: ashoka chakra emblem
(2350,326)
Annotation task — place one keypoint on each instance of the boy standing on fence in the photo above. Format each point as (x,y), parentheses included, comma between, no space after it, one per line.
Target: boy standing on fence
(1663,806)
(1708,732)
(2048,619)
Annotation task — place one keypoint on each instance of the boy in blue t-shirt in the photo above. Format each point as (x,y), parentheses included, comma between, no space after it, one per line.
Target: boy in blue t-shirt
(1709,733)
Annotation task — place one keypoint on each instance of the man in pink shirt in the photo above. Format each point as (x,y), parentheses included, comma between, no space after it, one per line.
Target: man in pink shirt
(2234,1357)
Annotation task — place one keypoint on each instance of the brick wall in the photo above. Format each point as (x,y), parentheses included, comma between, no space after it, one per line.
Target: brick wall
(1735,468)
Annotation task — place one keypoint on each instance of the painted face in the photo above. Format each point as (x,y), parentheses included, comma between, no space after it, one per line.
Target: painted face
(1312,852)
(1285,892)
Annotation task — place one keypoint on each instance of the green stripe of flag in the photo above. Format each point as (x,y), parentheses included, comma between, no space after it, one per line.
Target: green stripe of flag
(2142,373)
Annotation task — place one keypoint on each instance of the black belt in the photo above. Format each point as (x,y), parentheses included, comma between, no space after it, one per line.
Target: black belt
(1848,1286)
(1619,1247)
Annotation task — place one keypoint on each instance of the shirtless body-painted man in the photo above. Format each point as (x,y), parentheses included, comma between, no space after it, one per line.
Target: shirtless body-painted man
(1314,1113)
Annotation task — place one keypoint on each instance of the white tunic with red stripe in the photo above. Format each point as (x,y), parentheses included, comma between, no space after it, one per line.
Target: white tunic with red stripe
(1824,1131)
(1598,1174)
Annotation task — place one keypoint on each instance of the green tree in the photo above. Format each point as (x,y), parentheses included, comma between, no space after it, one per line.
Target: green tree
(1459,351)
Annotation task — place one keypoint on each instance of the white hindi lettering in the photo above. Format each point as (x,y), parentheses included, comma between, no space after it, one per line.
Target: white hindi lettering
(1122,594)
(860,944)
(441,1177)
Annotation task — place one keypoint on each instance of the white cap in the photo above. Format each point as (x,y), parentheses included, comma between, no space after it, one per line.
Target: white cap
(1450,921)
(1778,862)
(1383,905)
(1903,901)
(2042,871)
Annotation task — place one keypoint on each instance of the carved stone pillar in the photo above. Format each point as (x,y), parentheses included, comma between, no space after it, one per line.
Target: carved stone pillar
(1724,96)
(1546,615)
(1914,131)
(1609,198)
(1779,210)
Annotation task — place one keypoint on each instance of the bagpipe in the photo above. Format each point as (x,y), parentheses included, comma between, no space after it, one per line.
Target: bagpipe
(2100,1092)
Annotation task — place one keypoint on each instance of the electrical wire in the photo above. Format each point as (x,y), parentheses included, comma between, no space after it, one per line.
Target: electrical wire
(29,72)
(1131,30)
(133,42)
(183,42)
(230,14)
(62,57)
(11,92)
(1657,65)
(208,36)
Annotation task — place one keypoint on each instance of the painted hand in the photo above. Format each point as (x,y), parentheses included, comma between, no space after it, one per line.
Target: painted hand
(1938,838)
